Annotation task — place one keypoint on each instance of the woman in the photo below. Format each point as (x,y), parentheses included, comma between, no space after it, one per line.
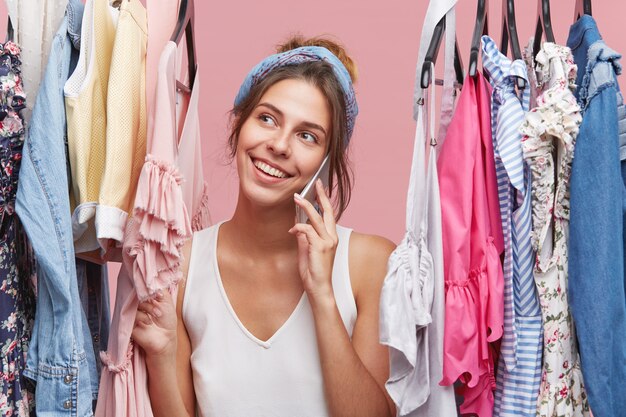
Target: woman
(266,322)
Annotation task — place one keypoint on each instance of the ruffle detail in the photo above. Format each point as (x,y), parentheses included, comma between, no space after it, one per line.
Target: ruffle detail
(562,73)
(122,367)
(598,53)
(407,297)
(478,400)
(479,300)
(202,217)
(553,123)
(160,225)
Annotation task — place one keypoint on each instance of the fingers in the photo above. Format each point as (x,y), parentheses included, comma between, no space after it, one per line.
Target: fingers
(327,208)
(314,217)
(143,318)
(312,237)
(151,310)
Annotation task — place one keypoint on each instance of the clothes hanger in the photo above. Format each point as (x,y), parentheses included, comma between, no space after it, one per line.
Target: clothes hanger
(480,29)
(10,31)
(185,25)
(582,7)
(544,25)
(509,35)
(433,51)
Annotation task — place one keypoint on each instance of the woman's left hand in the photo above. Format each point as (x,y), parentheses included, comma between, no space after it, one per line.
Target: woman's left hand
(317,244)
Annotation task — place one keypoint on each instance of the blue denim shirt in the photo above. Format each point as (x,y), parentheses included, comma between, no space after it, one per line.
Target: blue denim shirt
(61,360)
(596,247)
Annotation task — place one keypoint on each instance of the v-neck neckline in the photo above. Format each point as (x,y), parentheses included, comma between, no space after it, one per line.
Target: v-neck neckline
(218,276)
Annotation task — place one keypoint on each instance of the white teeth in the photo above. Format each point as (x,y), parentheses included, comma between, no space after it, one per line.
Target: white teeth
(269,170)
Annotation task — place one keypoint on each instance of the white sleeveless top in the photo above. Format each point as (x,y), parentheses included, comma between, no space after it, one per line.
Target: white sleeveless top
(234,373)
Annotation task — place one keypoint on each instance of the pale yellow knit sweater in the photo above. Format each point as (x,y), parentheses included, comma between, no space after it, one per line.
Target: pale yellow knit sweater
(126,123)
(85,104)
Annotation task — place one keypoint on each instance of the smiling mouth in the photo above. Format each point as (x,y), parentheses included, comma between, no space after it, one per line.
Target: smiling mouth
(265,168)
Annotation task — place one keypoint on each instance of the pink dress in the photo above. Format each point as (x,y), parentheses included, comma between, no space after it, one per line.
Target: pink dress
(472,244)
(162,17)
(170,204)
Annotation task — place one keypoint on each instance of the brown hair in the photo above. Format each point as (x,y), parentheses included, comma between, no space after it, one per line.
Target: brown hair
(319,74)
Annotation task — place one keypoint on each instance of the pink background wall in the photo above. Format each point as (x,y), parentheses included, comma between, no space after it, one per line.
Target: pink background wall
(383,38)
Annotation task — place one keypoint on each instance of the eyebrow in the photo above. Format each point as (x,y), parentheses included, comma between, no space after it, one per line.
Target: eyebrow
(310,125)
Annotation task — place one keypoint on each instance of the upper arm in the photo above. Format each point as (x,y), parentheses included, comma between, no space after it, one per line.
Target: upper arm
(368,267)
(183,345)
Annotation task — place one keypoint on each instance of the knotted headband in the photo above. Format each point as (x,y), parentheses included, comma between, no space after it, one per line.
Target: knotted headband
(298,56)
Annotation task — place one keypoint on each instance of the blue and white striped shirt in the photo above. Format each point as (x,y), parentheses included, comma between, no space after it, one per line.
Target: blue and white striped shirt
(519,369)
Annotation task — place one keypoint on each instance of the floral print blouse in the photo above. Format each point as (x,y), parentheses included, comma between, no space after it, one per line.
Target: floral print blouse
(17,302)
(549,134)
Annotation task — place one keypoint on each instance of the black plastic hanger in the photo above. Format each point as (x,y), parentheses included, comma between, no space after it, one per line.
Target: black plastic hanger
(480,29)
(432,52)
(582,7)
(10,31)
(185,25)
(509,34)
(544,25)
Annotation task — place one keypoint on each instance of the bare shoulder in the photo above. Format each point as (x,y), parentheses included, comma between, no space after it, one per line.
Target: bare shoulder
(368,256)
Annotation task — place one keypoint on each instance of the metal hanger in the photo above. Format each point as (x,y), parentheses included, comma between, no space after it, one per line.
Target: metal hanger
(184,25)
(480,29)
(432,52)
(582,7)
(509,35)
(544,25)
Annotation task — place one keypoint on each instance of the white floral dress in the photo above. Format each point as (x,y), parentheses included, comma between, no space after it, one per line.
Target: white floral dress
(549,133)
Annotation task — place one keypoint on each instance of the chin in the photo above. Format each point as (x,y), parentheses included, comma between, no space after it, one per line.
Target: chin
(264,198)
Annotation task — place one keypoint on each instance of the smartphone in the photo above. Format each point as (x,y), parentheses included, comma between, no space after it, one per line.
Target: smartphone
(310,192)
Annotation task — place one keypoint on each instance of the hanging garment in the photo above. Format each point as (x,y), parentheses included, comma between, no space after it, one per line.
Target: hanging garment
(85,103)
(519,367)
(35,23)
(170,204)
(596,264)
(412,296)
(93,290)
(17,299)
(60,358)
(549,133)
(472,243)
(278,377)
(126,123)
(162,17)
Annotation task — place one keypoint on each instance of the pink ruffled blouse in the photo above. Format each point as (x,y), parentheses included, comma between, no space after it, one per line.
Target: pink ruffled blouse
(472,244)
(170,204)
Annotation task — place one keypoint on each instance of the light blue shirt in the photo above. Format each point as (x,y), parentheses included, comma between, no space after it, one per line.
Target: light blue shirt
(519,368)
(60,358)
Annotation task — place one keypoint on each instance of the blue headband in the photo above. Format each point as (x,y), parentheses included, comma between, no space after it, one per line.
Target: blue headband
(298,56)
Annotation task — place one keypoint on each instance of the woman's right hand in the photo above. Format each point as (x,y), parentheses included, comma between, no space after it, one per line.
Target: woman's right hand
(155,326)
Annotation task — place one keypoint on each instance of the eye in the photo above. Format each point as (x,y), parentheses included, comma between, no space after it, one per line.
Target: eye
(308,137)
(267,119)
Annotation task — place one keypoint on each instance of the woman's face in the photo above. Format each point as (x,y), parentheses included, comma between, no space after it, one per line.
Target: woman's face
(282,143)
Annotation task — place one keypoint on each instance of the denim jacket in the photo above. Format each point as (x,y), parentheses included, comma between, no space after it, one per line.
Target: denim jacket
(61,360)
(596,262)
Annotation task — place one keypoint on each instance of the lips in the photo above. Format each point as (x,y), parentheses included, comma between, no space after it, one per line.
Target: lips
(269,169)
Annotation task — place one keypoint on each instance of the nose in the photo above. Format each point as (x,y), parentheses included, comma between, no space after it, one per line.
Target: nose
(279,143)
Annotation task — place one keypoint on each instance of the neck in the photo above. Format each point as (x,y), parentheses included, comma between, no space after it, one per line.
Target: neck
(263,230)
